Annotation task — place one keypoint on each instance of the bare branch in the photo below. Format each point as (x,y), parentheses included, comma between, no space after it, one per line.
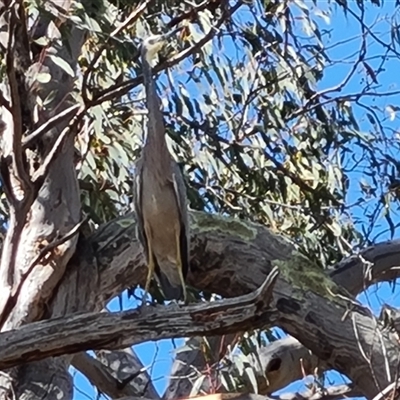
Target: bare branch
(285,361)
(192,13)
(331,393)
(100,376)
(390,317)
(391,392)
(125,87)
(123,266)
(133,17)
(39,176)
(228,269)
(18,167)
(126,366)
(49,124)
(80,332)
(374,264)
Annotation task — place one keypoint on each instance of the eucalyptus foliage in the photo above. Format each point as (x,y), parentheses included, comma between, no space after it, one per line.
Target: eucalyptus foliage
(256,130)
(255,134)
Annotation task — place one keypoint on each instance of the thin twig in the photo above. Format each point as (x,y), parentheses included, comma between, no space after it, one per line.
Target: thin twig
(124,87)
(42,172)
(196,8)
(14,291)
(373,34)
(55,243)
(69,112)
(133,17)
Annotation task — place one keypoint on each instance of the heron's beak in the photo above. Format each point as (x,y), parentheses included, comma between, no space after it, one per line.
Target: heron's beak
(167,36)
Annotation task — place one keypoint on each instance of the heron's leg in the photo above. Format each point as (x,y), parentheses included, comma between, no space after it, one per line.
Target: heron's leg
(150,264)
(179,264)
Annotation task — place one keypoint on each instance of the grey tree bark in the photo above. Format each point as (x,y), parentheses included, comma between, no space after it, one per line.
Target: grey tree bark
(340,340)
(39,179)
(40,279)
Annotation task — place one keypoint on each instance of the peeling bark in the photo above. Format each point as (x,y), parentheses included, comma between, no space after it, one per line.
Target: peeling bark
(228,257)
(331,393)
(41,186)
(342,340)
(117,374)
(120,262)
(126,366)
(115,260)
(84,331)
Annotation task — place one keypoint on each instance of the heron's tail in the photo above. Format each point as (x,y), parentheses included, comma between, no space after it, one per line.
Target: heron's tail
(170,291)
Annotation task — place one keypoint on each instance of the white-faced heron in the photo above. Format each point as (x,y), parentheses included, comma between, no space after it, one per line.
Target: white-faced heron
(160,193)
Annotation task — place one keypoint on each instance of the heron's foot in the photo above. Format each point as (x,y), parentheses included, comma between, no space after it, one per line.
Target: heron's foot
(183,302)
(190,296)
(175,304)
(146,308)
(145,300)
(144,304)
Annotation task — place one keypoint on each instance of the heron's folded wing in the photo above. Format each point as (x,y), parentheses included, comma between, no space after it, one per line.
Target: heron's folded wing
(181,197)
(137,201)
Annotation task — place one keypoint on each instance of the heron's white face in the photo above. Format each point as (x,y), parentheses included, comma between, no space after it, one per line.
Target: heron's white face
(153,45)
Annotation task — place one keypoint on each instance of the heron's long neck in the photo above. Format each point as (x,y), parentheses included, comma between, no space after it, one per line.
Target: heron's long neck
(155,142)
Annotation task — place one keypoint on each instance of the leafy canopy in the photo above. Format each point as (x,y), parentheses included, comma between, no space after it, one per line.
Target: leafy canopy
(258,132)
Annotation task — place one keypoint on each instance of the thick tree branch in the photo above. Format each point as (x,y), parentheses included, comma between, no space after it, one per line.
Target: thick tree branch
(80,332)
(229,257)
(378,263)
(220,250)
(340,340)
(391,392)
(275,366)
(330,393)
(18,168)
(109,381)
(129,370)
(51,208)
(99,376)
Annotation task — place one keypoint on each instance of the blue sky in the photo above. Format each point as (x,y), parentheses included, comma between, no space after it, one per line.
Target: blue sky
(158,356)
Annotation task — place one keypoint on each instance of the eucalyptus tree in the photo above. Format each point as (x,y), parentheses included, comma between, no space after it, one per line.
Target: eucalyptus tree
(289,151)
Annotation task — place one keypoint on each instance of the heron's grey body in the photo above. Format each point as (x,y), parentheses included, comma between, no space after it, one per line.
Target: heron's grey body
(160,195)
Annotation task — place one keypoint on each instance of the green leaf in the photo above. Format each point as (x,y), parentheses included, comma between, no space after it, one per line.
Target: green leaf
(197,385)
(125,223)
(43,77)
(62,64)
(250,373)
(42,41)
